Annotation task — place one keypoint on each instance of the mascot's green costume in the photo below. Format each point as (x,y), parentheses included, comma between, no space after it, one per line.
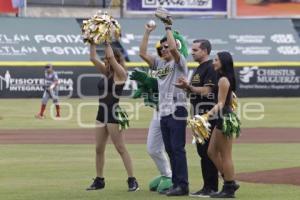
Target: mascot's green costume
(148,90)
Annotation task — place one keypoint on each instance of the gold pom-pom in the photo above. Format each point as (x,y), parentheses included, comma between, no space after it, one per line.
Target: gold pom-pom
(100,28)
(200,128)
(234,102)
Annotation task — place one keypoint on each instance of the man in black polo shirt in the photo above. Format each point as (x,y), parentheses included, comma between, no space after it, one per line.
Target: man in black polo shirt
(202,100)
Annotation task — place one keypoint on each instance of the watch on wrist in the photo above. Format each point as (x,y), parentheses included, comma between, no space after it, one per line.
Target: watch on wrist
(168,28)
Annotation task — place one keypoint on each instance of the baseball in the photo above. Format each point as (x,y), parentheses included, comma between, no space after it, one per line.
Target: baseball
(151,23)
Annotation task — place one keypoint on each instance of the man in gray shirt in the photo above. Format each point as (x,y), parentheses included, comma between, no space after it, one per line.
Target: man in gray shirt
(172,105)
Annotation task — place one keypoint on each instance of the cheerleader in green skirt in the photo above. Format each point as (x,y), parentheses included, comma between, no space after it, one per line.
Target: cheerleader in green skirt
(227,126)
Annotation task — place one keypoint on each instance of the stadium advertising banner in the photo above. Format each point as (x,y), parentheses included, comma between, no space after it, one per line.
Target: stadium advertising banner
(267,60)
(30,39)
(180,7)
(267,8)
(59,40)
(268,81)
(28,82)
(21,82)
(248,40)
(15,82)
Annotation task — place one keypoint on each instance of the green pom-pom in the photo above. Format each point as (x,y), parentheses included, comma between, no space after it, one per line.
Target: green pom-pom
(231,125)
(122,118)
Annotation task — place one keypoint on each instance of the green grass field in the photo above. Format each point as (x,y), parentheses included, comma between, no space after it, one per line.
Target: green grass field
(62,172)
(19,113)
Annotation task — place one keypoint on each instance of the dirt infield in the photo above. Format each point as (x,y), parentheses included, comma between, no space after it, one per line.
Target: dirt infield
(277,176)
(138,136)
